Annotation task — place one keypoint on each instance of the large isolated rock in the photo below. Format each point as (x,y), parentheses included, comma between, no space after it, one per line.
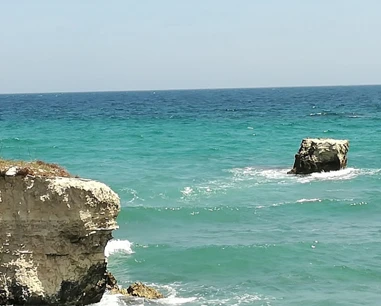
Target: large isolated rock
(53,234)
(320,154)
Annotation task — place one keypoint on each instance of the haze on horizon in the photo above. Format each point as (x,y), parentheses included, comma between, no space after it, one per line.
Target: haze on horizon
(93,45)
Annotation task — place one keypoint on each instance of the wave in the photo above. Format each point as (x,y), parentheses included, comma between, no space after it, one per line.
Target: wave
(344,174)
(337,114)
(109,299)
(245,299)
(135,301)
(308,200)
(281,176)
(243,179)
(176,300)
(118,246)
(132,194)
(170,292)
(172,298)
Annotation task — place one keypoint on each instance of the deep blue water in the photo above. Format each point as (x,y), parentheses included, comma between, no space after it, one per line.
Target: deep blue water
(211,215)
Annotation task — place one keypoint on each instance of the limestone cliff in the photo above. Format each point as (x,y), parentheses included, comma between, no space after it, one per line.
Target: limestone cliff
(53,234)
(320,154)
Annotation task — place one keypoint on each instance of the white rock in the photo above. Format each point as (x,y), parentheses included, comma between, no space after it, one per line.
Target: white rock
(12,171)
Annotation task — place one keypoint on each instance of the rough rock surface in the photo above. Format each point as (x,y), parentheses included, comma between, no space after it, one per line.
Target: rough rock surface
(111,283)
(53,235)
(320,154)
(140,290)
(137,289)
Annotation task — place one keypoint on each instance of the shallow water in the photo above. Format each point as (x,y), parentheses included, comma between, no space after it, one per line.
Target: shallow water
(209,215)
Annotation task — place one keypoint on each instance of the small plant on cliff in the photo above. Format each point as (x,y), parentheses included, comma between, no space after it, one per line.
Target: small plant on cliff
(34,168)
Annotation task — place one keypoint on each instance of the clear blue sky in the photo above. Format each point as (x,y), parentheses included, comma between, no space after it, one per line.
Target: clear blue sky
(86,45)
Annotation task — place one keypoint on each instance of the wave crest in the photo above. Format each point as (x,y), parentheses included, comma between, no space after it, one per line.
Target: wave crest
(281,176)
(118,246)
(109,299)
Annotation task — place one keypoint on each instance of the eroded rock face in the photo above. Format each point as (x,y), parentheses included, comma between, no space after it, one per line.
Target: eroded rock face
(53,235)
(320,154)
(111,282)
(137,289)
(140,290)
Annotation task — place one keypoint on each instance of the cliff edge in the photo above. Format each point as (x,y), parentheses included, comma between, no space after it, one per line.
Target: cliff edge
(53,233)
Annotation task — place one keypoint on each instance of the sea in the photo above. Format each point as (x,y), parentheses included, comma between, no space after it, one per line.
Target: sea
(209,215)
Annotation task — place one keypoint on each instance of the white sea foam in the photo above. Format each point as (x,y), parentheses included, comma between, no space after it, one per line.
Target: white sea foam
(245,299)
(206,189)
(111,300)
(173,300)
(242,178)
(132,193)
(251,173)
(344,174)
(171,296)
(281,177)
(187,191)
(169,291)
(118,246)
(308,200)
(249,298)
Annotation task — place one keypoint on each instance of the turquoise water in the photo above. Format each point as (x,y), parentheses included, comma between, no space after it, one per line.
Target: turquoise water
(209,215)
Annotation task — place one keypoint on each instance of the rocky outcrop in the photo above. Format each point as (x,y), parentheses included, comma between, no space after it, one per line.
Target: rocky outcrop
(53,234)
(111,283)
(320,154)
(137,289)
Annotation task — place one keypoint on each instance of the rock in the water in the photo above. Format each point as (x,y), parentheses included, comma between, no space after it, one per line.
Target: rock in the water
(53,234)
(137,289)
(140,290)
(320,154)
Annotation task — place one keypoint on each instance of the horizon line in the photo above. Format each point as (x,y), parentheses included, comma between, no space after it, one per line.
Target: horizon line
(185,89)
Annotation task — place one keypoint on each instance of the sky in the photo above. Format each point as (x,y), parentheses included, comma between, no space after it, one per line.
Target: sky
(91,45)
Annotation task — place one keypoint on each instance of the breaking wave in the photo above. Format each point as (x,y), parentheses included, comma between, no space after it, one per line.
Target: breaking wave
(308,200)
(172,299)
(118,246)
(337,114)
(248,177)
(170,292)
(111,300)
(281,176)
